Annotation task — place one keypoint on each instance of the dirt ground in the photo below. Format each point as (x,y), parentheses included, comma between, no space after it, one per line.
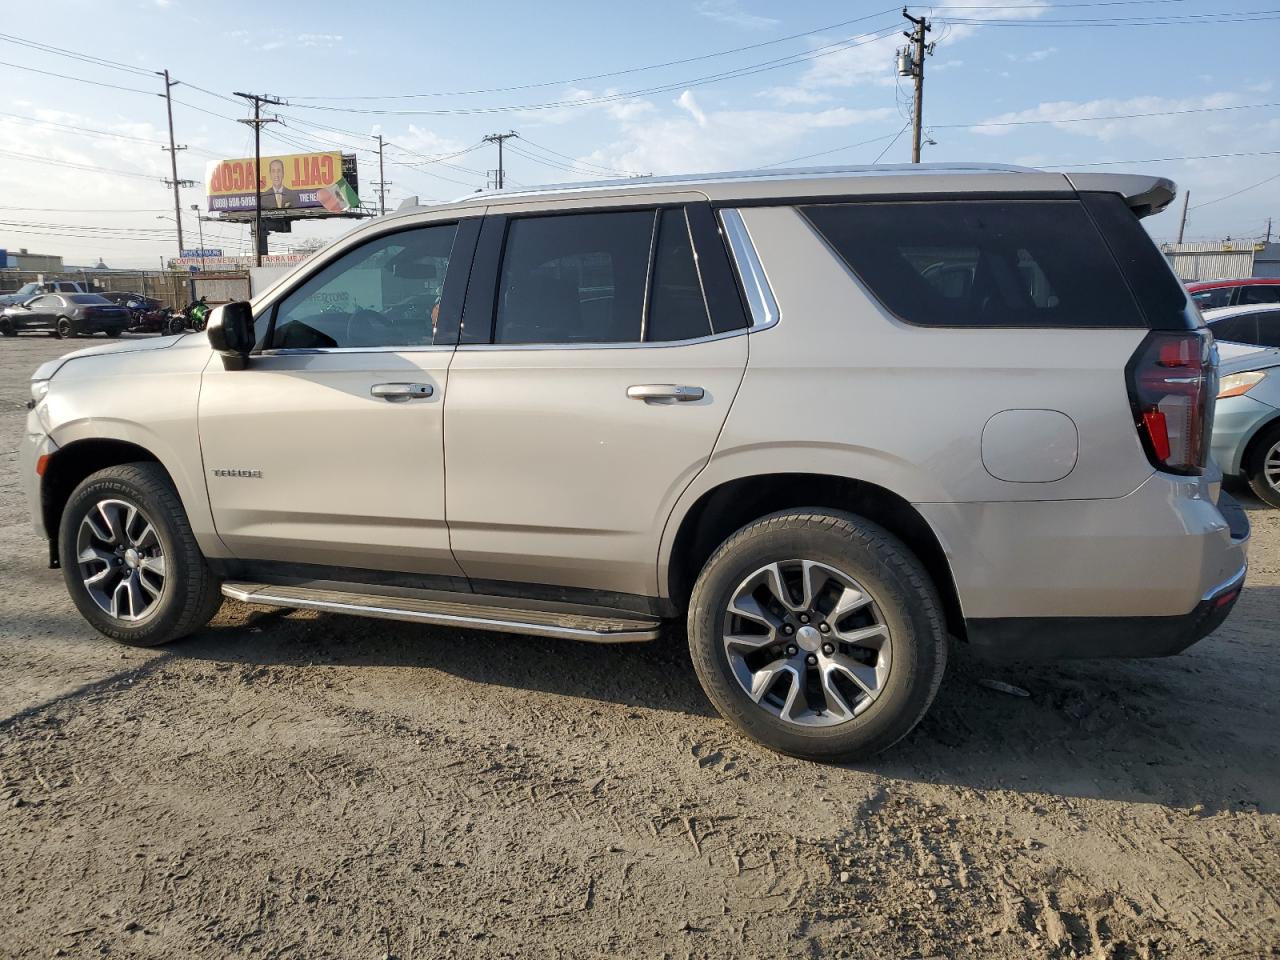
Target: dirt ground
(313,786)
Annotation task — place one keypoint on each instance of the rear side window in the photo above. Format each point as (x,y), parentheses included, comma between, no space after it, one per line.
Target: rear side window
(600,278)
(1213,297)
(1269,328)
(981,263)
(1262,293)
(1236,329)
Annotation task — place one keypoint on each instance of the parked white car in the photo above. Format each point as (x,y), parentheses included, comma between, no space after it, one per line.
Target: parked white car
(828,418)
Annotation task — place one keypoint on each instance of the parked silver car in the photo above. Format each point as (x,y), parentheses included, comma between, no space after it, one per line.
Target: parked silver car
(829,418)
(1246,425)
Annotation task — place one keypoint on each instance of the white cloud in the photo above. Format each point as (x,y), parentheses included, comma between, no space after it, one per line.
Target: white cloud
(1034,56)
(687,103)
(729,11)
(324,40)
(1065,113)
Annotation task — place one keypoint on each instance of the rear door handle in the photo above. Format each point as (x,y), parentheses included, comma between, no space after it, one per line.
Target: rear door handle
(400,392)
(664,393)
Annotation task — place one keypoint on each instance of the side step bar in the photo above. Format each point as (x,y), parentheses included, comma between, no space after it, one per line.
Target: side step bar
(445,613)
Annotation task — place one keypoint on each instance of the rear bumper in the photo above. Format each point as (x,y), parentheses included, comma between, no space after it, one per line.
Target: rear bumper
(1061,638)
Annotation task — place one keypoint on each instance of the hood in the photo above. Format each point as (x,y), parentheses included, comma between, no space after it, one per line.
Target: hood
(1239,357)
(47,370)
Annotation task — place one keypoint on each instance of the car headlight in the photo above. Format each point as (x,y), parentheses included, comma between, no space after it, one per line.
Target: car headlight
(39,390)
(1238,384)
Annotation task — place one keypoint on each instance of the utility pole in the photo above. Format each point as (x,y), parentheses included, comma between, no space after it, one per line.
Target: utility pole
(911,64)
(200,225)
(1182,226)
(499,138)
(173,154)
(383,182)
(1268,229)
(259,237)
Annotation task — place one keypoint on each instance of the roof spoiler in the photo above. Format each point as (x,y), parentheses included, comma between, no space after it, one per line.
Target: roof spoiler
(1145,195)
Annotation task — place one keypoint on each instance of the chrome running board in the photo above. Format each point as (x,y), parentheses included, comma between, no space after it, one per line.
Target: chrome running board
(447,613)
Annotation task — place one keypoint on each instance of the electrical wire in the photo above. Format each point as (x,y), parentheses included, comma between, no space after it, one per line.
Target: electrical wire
(1237,193)
(826,50)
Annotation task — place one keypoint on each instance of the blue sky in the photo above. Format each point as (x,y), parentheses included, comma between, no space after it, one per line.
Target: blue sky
(836,87)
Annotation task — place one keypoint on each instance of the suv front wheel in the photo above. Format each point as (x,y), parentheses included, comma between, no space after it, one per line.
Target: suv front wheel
(819,634)
(130,560)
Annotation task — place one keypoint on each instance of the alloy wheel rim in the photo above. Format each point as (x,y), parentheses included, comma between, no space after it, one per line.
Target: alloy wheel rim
(1271,467)
(121,560)
(807,643)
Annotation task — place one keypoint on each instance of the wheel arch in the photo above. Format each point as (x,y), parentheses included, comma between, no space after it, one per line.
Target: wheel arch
(732,504)
(1251,446)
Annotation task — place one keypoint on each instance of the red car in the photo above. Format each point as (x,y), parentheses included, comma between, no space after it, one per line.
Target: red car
(1229,293)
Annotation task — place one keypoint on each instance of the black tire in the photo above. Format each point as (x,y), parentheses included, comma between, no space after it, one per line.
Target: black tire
(112,333)
(64,329)
(1265,444)
(6,329)
(175,326)
(191,594)
(903,593)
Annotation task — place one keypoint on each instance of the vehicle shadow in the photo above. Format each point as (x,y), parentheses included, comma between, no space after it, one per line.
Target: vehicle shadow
(1198,728)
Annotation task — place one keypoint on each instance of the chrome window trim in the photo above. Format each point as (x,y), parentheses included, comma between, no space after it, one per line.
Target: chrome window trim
(321,351)
(755,285)
(624,345)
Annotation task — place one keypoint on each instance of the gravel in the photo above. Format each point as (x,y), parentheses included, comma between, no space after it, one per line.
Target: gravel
(303,785)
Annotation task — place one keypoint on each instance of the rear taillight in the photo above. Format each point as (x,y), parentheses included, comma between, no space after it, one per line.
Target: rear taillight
(1172,383)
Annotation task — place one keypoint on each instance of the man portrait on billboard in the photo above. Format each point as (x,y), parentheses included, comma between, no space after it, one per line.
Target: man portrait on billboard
(277,196)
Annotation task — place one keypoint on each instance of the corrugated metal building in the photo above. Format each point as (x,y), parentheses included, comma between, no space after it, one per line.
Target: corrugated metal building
(1213,259)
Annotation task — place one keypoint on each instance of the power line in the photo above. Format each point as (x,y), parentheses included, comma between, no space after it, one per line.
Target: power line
(1237,193)
(826,50)
(612,73)
(67,76)
(10,155)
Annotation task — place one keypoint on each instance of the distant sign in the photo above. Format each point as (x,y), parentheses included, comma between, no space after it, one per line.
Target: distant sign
(298,181)
(206,252)
(240,263)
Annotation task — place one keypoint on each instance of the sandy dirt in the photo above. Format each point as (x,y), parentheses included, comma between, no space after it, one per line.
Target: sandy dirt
(311,786)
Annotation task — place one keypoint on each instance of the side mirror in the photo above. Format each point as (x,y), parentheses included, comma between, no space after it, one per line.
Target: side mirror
(231,333)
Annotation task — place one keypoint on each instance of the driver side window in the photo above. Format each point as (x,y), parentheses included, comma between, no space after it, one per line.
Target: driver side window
(385,293)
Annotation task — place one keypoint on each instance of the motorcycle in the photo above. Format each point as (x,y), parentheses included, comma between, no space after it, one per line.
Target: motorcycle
(194,315)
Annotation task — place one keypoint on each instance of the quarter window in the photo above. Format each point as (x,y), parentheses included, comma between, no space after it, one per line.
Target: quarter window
(385,293)
(981,263)
(1269,329)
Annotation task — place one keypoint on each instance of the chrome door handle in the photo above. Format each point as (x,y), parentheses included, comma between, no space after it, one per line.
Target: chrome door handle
(664,393)
(400,392)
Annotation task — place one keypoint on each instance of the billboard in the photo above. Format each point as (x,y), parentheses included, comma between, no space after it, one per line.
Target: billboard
(296,181)
(197,253)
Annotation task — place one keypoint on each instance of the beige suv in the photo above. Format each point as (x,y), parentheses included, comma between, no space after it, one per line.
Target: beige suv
(828,418)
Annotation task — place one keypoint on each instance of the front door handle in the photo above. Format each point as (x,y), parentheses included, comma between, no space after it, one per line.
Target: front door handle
(664,393)
(400,392)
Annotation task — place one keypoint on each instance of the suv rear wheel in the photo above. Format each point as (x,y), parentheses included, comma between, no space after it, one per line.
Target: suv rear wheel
(130,560)
(1262,469)
(819,634)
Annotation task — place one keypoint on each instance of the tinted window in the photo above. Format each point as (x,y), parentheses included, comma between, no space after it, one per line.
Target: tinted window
(88,298)
(1261,293)
(383,294)
(1236,329)
(982,263)
(578,278)
(677,310)
(1269,328)
(1215,297)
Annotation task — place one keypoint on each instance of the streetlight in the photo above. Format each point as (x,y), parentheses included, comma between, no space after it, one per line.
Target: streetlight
(200,224)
